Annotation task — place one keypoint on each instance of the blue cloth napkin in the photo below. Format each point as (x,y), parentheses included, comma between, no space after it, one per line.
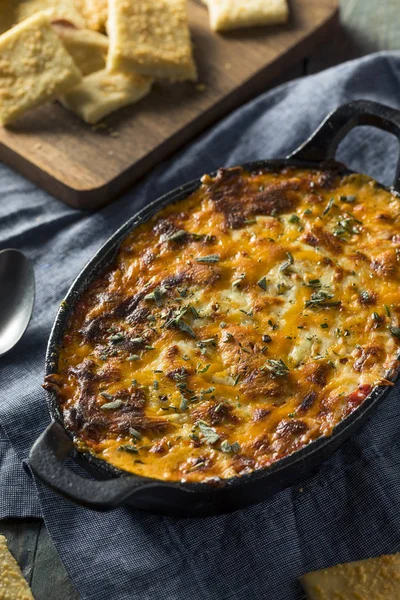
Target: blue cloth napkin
(348,510)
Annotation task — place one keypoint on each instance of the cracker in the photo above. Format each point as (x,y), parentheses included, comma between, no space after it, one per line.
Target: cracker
(88,48)
(34,67)
(15,11)
(95,13)
(12,584)
(102,93)
(151,37)
(371,579)
(234,14)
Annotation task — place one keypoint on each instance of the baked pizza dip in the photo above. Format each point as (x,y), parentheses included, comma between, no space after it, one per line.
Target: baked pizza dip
(235,326)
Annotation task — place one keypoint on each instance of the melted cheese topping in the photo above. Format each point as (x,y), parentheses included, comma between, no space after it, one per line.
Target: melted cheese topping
(236,326)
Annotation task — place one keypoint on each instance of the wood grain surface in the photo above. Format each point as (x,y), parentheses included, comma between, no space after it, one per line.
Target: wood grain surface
(367,26)
(88,166)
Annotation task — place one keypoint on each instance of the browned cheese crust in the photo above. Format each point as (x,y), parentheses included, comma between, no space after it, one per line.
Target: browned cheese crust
(235,326)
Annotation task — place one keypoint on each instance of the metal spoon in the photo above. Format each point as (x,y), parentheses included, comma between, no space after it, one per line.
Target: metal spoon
(17,297)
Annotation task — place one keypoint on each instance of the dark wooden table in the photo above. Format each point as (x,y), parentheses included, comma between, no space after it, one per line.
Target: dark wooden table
(367,26)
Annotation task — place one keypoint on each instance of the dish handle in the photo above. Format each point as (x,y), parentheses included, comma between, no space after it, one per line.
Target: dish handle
(323,143)
(46,459)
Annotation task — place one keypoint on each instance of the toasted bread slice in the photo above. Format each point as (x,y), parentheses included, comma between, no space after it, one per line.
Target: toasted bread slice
(34,67)
(102,93)
(88,48)
(234,14)
(371,579)
(150,37)
(12,584)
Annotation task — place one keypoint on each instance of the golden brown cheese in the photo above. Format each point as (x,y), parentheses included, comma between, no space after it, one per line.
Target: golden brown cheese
(236,326)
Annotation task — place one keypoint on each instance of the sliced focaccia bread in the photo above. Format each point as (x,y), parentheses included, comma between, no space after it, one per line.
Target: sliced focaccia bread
(88,48)
(234,14)
(102,93)
(34,67)
(371,579)
(150,37)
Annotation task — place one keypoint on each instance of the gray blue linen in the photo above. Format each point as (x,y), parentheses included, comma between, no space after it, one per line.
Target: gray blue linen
(348,510)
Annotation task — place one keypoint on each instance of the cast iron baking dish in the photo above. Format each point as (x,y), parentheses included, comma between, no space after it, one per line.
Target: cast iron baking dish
(111,487)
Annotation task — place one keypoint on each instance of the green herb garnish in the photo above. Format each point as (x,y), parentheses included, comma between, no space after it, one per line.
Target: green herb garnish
(349,199)
(194,312)
(262,283)
(328,207)
(365,296)
(135,433)
(228,448)
(112,405)
(204,369)
(184,404)
(209,390)
(238,281)
(157,296)
(395,331)
(207,342)
(294,219)
(185,328)
(177,235)
(211,258)
(209,433)
(289,261)
(118,337)
(313,283)
(196,466)
(128,448)
(321,299)
(277,367)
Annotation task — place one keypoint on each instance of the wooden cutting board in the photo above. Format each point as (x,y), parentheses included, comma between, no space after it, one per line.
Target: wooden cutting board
(88,166)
